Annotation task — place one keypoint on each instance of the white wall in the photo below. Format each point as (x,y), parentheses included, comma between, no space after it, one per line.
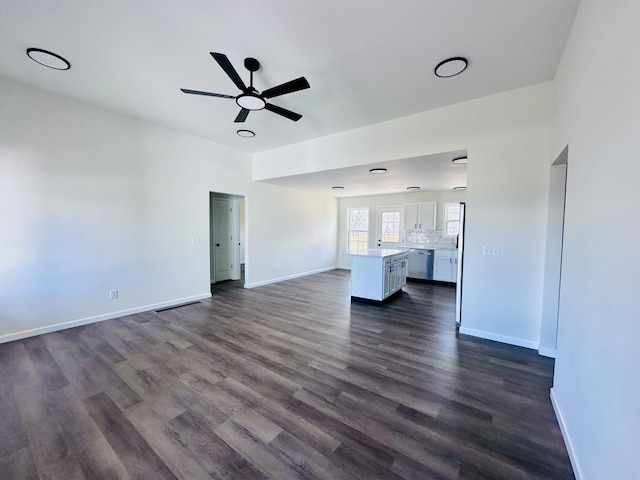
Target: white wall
(507,137)
(93,200)
(596,386)
(300,226)
(373,201)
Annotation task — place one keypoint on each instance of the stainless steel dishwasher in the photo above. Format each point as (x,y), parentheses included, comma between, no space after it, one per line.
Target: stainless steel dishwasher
(421,263)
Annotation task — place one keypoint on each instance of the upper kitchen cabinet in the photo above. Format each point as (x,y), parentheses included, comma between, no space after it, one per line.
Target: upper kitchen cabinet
(420,215)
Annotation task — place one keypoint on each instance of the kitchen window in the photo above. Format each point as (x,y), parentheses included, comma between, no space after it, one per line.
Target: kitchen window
(451,225)
(358,239)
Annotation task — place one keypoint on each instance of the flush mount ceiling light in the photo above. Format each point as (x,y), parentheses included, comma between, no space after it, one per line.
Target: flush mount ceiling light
(376,171)
(413,188)
(459,160)
(246,133)
(48,59)
(451,67)
(459,188)
(337,187)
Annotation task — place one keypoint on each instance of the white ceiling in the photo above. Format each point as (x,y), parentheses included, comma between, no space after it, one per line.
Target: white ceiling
(367,60)
(429,172)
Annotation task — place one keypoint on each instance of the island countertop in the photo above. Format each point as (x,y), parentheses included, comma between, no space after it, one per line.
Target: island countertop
(379,252)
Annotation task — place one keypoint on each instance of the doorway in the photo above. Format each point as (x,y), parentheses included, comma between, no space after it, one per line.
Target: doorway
(553,255)
(389,226)
(226,237)
(460,265)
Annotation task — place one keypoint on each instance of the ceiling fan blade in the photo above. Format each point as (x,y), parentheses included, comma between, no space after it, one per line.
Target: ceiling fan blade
(242,116)
(283,111)
(224,62)
(210,94)
(288,87)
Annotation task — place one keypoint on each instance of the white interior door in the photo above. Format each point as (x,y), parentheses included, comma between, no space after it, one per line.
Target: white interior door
(221,239)
(390,228)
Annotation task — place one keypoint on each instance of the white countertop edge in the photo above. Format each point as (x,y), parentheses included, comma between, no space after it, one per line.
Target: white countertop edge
(379,252)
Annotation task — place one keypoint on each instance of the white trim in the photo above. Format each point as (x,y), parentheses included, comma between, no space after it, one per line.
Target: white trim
(520,342)
(288,277)
(10,337)
(577,471)
(547,352)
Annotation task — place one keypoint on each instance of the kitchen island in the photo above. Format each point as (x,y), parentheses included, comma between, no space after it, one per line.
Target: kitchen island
(378,273)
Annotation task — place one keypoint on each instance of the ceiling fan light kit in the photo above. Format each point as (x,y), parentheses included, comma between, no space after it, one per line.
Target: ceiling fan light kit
(451,67)
(378,171)
(251,99)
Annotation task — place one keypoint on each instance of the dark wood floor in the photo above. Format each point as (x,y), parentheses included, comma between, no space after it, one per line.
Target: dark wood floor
(284,381)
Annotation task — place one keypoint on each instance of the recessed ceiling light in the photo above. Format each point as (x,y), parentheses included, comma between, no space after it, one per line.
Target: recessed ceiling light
(378,170)
(338,187)
(48,59)
(413,188)
(451,67)
(246,133)
(459,188)
(459,160)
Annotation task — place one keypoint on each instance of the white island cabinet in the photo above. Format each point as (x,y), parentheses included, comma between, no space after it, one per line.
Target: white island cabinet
(378,273)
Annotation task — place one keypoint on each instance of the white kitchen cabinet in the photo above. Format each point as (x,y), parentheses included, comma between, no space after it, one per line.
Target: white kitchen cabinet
(445,265)
(420,216)
(378,273)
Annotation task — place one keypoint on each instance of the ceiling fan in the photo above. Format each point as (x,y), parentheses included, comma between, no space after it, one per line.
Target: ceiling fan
(250,99)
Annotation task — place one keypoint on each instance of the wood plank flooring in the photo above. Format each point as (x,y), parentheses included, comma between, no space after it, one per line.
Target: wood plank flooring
(284,381)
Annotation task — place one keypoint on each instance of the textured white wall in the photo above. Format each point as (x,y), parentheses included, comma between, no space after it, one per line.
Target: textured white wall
(507,137)
(596,386)
(92,200)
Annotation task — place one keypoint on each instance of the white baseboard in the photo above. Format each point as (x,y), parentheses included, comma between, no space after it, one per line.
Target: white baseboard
(10,337)
(547,352)
(577,471)
(288,277)
(520,342)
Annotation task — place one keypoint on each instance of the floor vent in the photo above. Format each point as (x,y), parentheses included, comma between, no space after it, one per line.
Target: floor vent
(176,306)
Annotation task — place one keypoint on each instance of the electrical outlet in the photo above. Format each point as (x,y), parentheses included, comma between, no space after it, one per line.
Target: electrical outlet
(113,294)
(491,250)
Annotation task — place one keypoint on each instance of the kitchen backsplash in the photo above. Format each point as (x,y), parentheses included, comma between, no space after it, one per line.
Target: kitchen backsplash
(428,238)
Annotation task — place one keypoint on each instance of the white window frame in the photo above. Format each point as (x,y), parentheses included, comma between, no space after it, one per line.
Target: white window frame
(446,221)
(366,232)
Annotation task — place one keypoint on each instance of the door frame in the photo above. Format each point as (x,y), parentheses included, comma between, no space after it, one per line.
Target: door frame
(378,225)
(463,214)
(236,243)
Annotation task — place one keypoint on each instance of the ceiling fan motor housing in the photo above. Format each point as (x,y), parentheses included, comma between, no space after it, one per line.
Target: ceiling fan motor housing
(251,64)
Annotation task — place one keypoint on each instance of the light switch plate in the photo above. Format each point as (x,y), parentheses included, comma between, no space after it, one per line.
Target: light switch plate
(491,250)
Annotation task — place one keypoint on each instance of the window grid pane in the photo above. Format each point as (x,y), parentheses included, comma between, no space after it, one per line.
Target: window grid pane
(358,235)
(390,227)
(452,219)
